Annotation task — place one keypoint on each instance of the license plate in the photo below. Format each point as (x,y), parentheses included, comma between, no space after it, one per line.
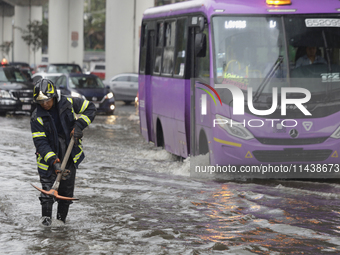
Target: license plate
(26,107)
(96,105)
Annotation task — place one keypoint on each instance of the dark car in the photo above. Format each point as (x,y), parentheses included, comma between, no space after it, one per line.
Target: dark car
(63,68)
(87,86)
(16,91)
(21,65)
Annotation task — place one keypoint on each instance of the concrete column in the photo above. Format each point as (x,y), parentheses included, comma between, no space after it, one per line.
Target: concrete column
(141,6)
(21,19)
(2,22)
(66,23)
(123,21)
(119,36)
(7,34)
(36,14)
(23,14)
(6,17)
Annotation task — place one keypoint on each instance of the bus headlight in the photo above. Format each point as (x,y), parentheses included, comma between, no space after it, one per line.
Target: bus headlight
(234,128)
(5,94)
(336,133)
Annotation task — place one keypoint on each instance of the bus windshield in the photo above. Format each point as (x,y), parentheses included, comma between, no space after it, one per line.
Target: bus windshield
(266,52)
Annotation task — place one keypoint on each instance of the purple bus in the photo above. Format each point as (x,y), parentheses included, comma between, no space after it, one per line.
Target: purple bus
(248,82)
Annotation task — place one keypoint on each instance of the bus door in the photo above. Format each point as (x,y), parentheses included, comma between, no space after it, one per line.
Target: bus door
(200,77)
(145,88)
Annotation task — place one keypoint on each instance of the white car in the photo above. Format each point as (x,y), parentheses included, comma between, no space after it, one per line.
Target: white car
(51,76)
(124,86)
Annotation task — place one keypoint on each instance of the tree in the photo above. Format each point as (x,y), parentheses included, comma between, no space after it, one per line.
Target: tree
(34,35)
(5,47)
(94,24)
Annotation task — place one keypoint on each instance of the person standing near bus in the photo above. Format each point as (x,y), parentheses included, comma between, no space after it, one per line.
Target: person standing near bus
(310,58)
(53,123)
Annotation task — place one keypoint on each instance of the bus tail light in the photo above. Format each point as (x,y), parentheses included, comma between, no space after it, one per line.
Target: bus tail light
(278,2)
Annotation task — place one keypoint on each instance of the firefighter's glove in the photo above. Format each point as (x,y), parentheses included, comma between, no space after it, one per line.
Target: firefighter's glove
(57,169)
(77,133)
(57,166)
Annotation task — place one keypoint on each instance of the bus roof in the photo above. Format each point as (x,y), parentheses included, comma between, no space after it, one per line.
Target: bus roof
(211,7)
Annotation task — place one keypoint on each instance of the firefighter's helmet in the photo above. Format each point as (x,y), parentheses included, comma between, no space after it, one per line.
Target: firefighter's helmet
(44,89)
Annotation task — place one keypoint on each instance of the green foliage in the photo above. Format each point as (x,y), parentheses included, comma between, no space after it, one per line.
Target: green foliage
(94,24)
(5,47)
(33,36)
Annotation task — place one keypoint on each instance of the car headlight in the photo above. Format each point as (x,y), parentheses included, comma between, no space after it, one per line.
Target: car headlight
(109,95)
(5,94)
(336,133)
(234,128)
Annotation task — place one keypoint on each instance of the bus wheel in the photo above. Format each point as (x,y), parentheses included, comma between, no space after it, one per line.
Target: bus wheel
(160,137)
(203,147)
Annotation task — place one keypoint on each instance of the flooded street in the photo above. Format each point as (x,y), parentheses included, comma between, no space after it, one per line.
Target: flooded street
(138,199)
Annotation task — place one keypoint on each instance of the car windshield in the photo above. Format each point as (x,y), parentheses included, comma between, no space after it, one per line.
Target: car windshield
(82,82)
(63,69)
(11,75)
(99,67)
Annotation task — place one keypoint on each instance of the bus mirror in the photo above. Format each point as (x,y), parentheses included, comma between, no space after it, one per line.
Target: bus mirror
(200,45)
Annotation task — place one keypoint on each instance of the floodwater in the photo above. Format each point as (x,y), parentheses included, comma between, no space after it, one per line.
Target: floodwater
(137,199)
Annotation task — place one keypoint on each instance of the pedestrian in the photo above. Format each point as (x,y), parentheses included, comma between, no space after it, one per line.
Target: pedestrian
(53,122)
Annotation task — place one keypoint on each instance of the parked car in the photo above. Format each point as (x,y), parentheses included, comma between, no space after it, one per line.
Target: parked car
(98,68)
(16,91)
(51,76)
(87,86)
(27,72)
(124,87)
(63,68)
(21,65)
(40,68)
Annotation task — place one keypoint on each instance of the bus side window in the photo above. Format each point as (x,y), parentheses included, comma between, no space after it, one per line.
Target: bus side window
(159,48)
(181,42)
(203,63)
(169,47)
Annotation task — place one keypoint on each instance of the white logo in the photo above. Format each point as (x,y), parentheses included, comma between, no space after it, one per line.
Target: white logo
(238,100)
(307,125)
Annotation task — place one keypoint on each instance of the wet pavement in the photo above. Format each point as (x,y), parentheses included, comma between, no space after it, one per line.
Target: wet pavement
(138,199)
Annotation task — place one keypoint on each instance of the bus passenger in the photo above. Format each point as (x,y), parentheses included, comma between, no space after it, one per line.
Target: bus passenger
(310,58)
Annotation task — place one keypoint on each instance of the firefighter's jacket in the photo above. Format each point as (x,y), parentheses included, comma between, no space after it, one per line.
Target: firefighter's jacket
(44,131)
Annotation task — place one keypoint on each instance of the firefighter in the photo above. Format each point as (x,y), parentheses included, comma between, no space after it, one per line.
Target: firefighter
(53,123)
